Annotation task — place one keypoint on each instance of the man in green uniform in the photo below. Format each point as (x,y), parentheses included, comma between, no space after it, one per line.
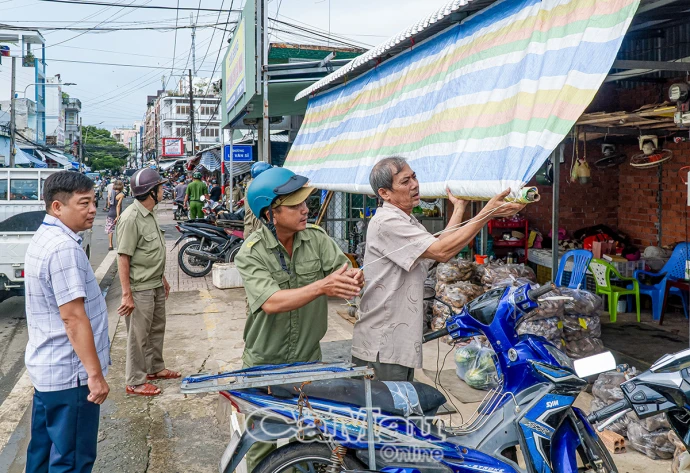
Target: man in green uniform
(193,196)
(288,273)
(141,264)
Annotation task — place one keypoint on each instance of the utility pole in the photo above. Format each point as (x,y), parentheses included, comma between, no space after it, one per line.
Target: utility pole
(193,43)
(13,113)
(191,114)
(264,76)
(81,146)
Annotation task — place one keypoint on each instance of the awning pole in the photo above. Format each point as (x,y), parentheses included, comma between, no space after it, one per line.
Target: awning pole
(232,175)
(554,213)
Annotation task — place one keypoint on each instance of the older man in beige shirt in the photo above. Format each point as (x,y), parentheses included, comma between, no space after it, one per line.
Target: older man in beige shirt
(399,252)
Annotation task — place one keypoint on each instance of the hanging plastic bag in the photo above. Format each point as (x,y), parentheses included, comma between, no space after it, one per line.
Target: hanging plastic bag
(474,364)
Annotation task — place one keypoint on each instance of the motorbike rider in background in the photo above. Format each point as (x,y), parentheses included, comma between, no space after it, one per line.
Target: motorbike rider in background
(180,191)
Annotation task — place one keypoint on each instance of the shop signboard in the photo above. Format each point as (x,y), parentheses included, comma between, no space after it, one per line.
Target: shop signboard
(173,147)
(240,153)
(234,68)
(239,66)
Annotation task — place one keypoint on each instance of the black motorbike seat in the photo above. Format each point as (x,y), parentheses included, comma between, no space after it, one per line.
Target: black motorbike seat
(209,227)
(351,391)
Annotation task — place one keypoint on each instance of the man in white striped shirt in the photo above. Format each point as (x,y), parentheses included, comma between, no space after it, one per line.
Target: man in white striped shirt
(68,352)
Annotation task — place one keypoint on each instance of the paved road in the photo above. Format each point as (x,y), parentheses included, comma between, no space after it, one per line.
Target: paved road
(13,334)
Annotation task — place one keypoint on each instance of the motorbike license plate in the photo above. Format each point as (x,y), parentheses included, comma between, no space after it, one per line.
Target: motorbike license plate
(229,451)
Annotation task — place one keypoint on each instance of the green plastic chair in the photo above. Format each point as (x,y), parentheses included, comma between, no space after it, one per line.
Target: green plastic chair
(602,271)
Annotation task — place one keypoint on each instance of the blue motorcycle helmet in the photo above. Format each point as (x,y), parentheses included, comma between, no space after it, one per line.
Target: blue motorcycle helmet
(258,168)
(274,187)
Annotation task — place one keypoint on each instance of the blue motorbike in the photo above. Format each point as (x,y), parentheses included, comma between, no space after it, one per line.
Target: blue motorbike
(527,424)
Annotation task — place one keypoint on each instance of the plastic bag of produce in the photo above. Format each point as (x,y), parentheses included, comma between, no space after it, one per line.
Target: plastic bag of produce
(437,323)
(582,303)
(577,327)
(681,458)
(620,426)
(651,424)
(496,272)
(511,282)
(607,387)
(458,294)
(551,328)
(654,444)
(448,272)
(455,270)
(474,363)
(547,308)
(584,347)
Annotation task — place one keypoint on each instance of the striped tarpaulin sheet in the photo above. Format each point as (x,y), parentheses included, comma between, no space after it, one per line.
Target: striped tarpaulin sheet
(478,107)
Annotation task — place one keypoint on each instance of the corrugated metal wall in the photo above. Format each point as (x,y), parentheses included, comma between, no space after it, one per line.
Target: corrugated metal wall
(672,43)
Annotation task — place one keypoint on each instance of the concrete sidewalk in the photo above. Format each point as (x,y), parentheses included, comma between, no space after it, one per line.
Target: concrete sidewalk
(173,432)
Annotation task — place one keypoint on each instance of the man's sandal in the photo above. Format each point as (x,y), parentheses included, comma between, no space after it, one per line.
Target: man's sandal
(169,374)
(147,390)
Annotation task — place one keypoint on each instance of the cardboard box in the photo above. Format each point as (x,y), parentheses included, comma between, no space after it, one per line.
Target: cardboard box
(600,248)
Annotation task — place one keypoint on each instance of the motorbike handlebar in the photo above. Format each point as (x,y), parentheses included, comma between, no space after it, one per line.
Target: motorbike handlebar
(434,335)
(609,411)
(535,294)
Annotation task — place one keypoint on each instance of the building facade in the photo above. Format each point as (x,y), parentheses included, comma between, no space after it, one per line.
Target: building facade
(55,114)
(72,108)
(28,46)
(169,115)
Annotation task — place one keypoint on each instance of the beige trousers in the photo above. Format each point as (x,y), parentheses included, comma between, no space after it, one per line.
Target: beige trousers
(145,334)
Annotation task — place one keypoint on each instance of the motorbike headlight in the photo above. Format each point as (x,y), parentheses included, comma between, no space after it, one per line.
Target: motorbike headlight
(562,359)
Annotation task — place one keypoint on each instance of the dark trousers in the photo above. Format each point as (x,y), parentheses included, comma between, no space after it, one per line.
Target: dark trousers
(386,371)
(64,432)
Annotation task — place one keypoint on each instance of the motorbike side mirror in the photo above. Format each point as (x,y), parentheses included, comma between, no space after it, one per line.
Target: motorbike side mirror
(594,364)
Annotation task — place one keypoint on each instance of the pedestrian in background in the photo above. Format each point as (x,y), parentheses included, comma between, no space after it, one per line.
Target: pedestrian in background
(114,211)
(193,194)
(68,352)
(141,264)
(108,191)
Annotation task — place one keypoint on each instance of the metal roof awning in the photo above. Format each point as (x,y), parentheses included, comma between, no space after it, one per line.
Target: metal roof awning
(238,169)
(474,105)
(23,158)
(58,158)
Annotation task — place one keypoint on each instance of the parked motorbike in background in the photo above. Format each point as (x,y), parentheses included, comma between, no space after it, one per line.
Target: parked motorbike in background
(181,212)
(207,244)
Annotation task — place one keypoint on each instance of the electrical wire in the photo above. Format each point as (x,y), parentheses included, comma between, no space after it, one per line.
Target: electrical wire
(315,33)
(154,7)
(214,33)
(215,112)
(94,63)
(99,24)
(177,17)
(95,29)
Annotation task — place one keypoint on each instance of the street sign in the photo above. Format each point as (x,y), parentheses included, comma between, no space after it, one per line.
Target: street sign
(240,153)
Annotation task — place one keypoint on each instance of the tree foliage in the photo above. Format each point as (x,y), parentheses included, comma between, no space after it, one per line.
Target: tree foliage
(102,150)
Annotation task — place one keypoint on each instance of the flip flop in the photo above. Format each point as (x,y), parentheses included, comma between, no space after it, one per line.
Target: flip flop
(148,390)
(170,375)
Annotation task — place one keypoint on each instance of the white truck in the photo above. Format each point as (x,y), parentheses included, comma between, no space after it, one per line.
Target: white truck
(21,212)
